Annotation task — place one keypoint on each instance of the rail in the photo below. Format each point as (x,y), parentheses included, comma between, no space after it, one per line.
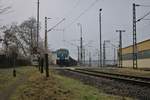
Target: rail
(126,78)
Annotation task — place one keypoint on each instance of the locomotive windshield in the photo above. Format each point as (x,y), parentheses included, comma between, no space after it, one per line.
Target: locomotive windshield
(62,53)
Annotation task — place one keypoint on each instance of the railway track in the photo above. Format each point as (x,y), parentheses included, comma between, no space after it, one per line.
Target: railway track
(142,81)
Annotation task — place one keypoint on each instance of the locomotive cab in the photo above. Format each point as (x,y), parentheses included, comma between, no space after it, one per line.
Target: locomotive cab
(63,57)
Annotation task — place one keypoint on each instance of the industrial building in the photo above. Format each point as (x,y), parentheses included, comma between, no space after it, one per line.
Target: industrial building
(143,49)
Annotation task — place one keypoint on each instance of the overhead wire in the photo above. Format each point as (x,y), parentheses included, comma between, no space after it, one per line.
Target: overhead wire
(81,14)
(75,6)
(144,16)
(69,13)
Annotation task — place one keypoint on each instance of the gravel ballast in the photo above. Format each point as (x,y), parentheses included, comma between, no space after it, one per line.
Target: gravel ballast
(111,86)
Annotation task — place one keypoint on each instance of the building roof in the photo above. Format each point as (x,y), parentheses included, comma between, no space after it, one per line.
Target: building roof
(141,46)
(137,43)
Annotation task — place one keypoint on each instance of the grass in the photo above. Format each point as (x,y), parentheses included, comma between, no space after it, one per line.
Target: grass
(40,88)
(58,87)
(6,75)
(85,92)
(37,87)
(6,78)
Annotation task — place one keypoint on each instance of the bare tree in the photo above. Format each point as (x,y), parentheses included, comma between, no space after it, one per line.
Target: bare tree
(27,32)
(23,36)
(11,38)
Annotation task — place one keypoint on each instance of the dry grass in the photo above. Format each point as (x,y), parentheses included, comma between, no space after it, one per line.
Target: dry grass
(40,88)
(6,78)
(58,87)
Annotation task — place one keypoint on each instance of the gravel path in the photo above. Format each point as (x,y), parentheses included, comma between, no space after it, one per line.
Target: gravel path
(7,92)
(111,86)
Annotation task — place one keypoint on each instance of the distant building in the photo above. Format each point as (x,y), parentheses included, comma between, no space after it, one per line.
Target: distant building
(54,57)
(143,49)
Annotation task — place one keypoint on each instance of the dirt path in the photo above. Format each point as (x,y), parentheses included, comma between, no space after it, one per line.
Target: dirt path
(7,92)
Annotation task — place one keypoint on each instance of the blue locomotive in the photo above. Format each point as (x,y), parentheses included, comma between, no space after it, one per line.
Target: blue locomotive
(62,57)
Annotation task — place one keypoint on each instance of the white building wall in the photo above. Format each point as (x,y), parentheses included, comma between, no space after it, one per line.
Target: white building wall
(142,63)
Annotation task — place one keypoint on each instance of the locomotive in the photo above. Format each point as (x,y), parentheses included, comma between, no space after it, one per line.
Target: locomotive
(63,58)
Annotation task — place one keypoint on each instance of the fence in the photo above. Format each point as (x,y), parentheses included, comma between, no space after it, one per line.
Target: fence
(8,62)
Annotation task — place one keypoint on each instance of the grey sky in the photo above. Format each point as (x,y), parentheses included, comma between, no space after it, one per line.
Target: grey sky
(116,14)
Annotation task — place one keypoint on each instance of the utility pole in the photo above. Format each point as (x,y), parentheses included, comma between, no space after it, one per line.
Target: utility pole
(38,12)
(114,56)
(104,52)
(46,44)
(37,46)
(120,47)
(104,55)
(100,30)
(84,55)
(78,53)
(135,51)
(134,37)
(81,44)
(46,49)
(98,59)
(90,59)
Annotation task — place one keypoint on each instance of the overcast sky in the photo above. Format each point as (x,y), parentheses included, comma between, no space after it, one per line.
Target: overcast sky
(116,14)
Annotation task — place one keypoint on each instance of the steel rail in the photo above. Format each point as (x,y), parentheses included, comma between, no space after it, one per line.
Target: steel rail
(121,75)
(128,79)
